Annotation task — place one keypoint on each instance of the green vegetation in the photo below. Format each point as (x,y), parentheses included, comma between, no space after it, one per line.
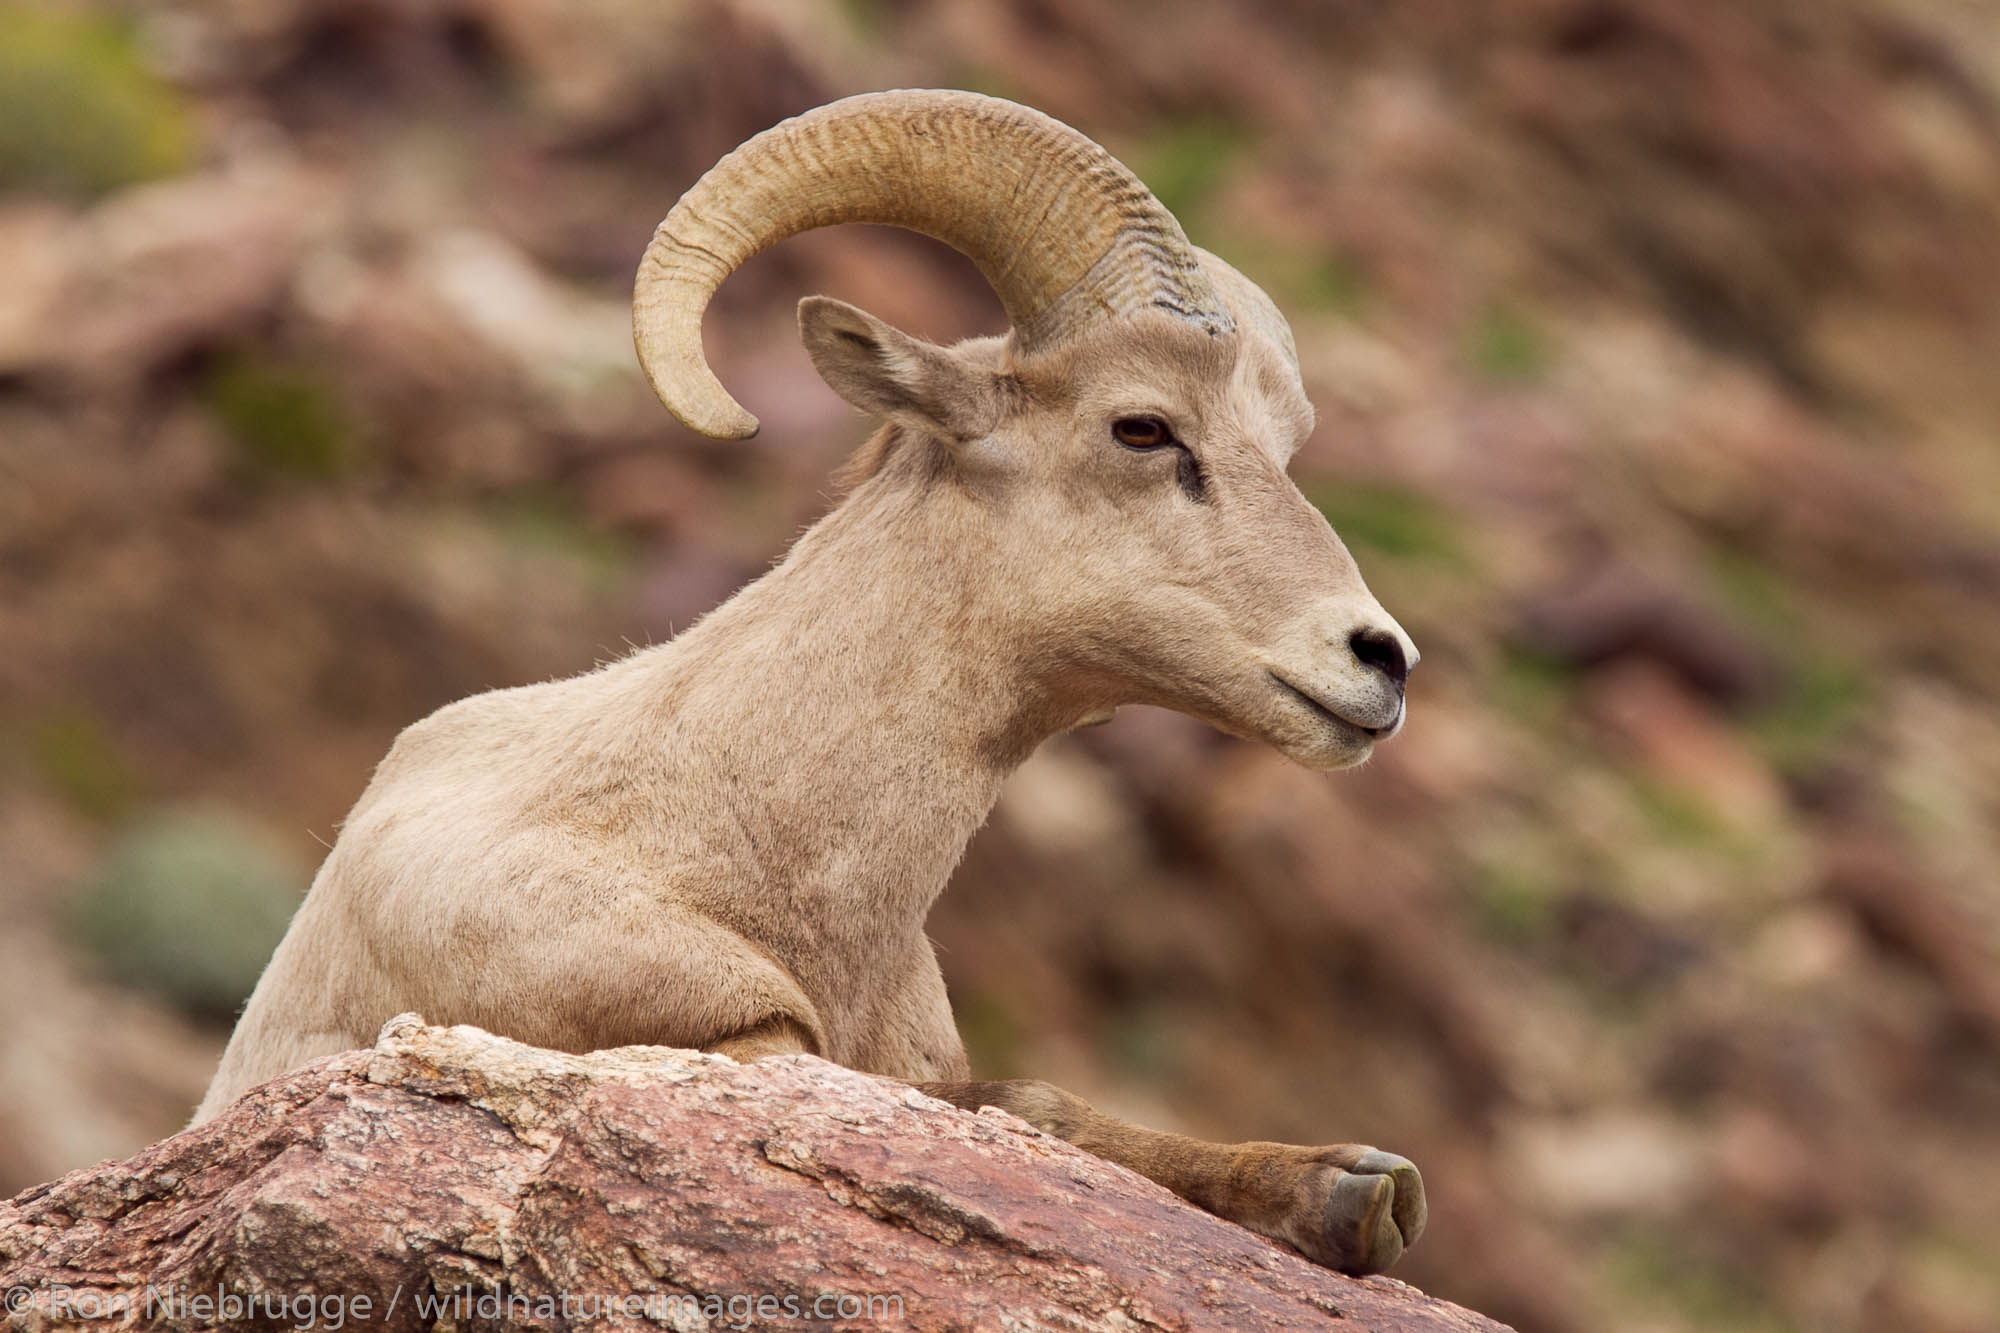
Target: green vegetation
(190,903)
(1676,815)
(992,1034)
(1332,282)
(1336,282)
(80,113)
(1185,165)
(1508,345)
(1516,902)
(77,757)
(1760,597)
(870,20)
(1392,522)
(1819,708)
(1140,1040)
(547,524)
(1534,687)
(1657,1267)
(1956,1270)
(1822,697)
(285,419)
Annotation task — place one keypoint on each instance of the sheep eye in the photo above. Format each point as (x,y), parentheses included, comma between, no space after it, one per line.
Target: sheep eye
(1141,432)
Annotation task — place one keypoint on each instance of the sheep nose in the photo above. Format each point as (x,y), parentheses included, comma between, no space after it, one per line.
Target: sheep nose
(1381,651)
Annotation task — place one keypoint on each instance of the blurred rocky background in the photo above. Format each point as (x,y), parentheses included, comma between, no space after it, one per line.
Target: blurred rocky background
(1657,351)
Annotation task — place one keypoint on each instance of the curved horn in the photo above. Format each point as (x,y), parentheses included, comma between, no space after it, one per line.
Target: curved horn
(1061,229)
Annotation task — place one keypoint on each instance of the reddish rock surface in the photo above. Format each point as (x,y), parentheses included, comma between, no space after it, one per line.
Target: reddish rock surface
(450,1177)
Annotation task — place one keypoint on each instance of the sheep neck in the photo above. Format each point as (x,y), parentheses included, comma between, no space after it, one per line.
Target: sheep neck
(866,699)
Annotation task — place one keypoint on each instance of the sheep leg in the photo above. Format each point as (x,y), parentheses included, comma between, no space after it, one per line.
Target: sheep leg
(780,1034)
(1350,1207)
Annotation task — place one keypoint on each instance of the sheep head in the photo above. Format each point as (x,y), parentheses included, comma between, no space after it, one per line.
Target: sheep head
(1126,439)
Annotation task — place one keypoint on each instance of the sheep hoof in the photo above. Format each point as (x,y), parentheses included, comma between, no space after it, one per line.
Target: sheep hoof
(1374,1210)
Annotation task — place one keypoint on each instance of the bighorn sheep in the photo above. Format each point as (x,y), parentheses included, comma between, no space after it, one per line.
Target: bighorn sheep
(730,841)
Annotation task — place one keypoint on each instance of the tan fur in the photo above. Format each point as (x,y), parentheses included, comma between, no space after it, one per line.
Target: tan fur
(731,841)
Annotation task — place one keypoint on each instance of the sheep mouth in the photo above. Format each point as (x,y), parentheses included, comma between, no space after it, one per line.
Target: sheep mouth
(1328,713)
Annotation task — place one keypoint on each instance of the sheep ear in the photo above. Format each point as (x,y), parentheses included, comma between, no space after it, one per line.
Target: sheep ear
(886,372)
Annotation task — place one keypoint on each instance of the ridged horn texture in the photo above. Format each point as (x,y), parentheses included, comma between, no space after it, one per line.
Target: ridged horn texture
(1064,233)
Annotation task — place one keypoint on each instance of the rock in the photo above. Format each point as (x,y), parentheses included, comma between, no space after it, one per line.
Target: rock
(1869,873)
(1613,611)
(38,254)
(105,1068)
(105,297)
(452,1177)
(1651,712)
